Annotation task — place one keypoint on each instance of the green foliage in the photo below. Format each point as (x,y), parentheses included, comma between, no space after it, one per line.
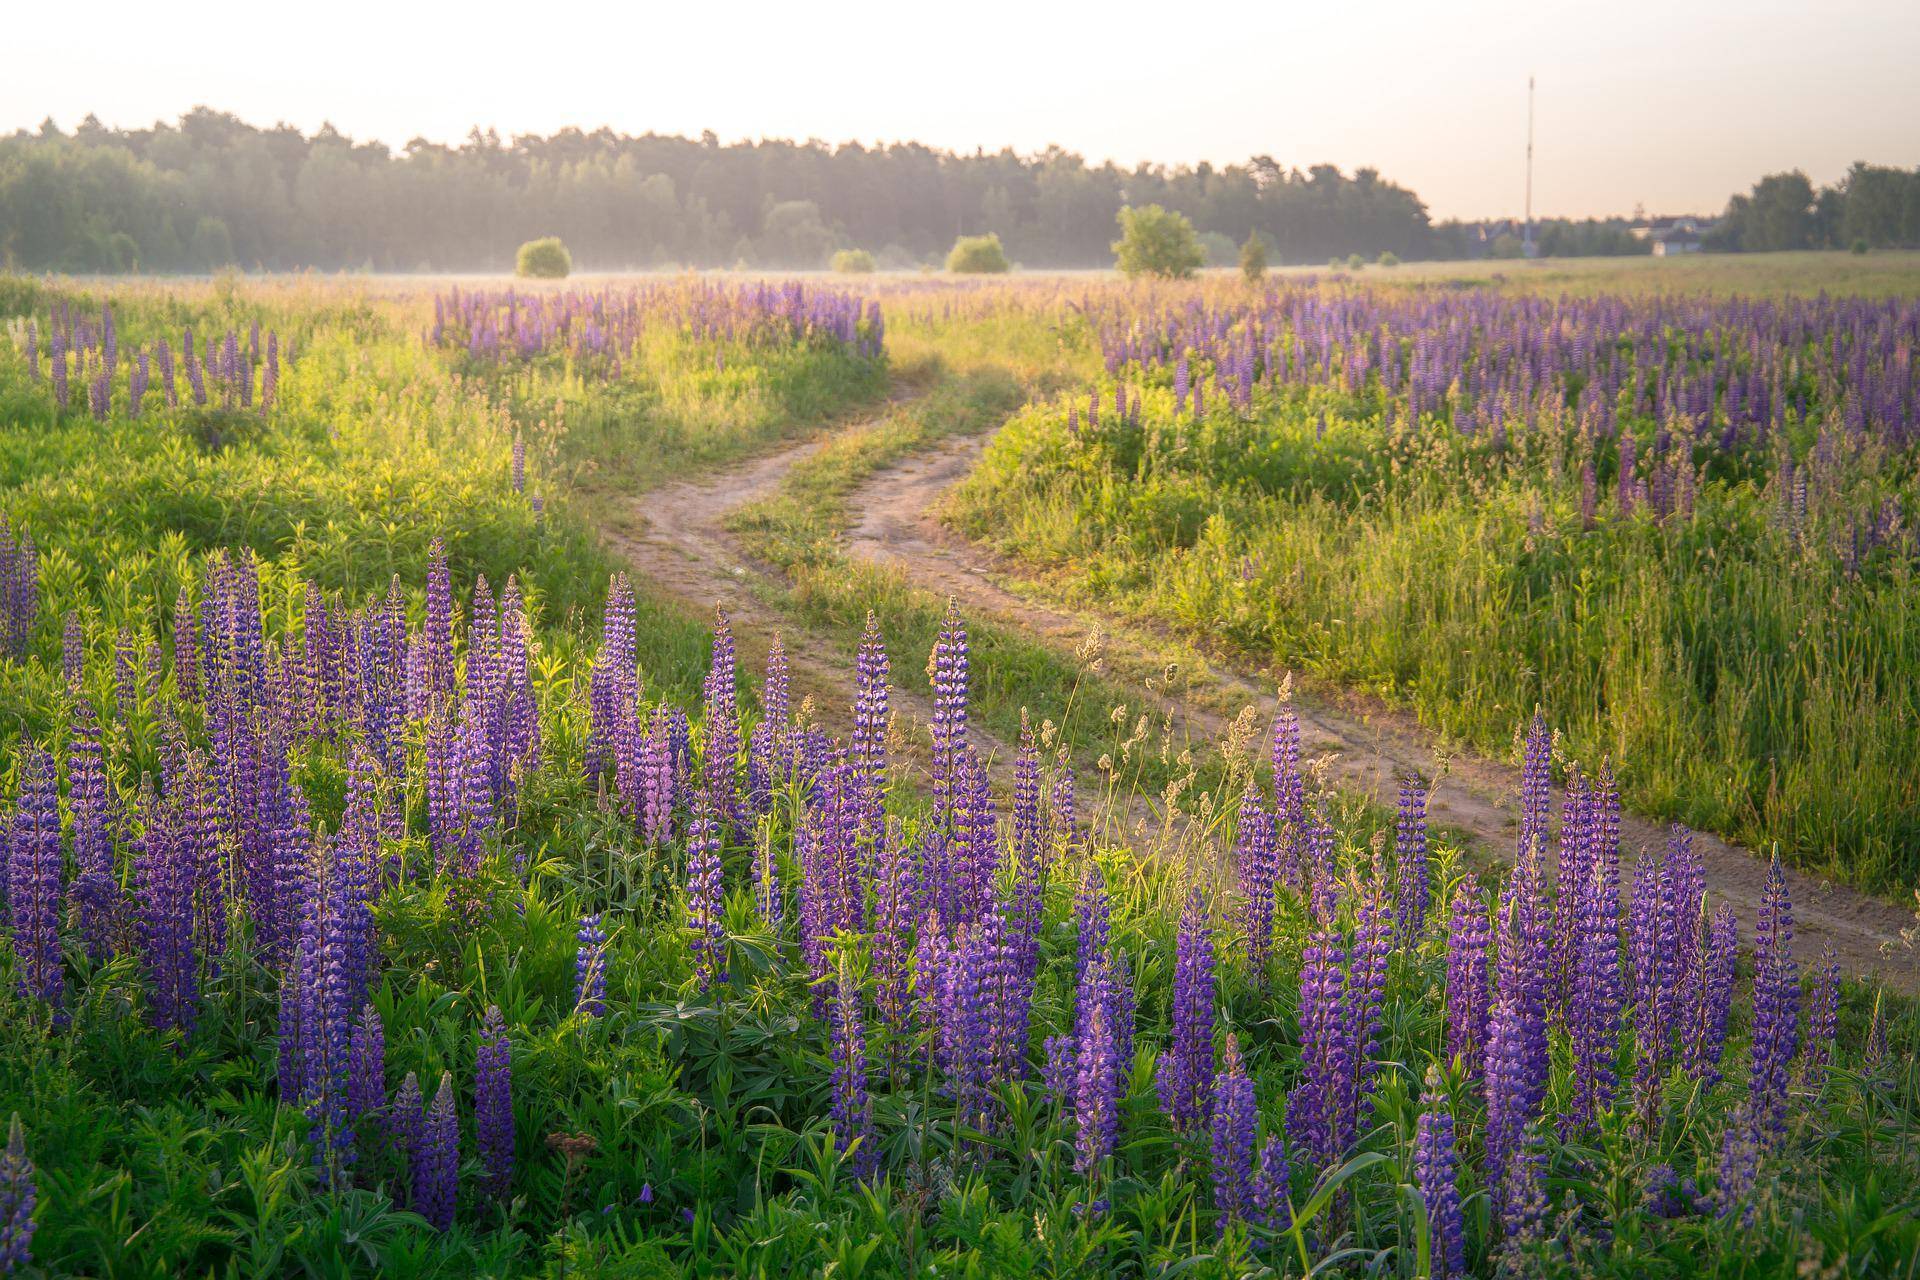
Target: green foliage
(853,262)
(1253,259)
(1389,259)
(978,255)
(1743,678)
(543,259)
(1157,242)
(1355,262)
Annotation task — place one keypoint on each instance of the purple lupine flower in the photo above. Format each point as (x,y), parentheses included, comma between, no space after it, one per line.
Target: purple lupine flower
(1057,1072)
(73,650)
(34,860)
(19,1197)
(1741,1145)
(164,879)
(1317,1108)
(869,746)
(1272,1205)
(1029,856)
(852,1108)
(948,670)
(612,683)
(1060,815)
(893,919)
(1707,1032)
(493,1102)
(770,752)
(590,968)
(1256,857)
(1517,1054)
(721,751)
(438,671)
(1823,1019)
(1096,1087)
(409,1131)
(1468,999)
(1366,995)
(367,1072)
(1410,852)
(95,888)
(436,1176)
(1435,1172)
(706,905)
(1776,1009)
(1233,1118)
(1594,1006)
(1186,1069)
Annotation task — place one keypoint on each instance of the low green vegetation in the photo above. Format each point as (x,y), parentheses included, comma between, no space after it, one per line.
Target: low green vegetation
(544,259)
(978,255)
(1157,242)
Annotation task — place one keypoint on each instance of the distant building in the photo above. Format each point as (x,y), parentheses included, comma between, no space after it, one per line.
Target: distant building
(1672,235)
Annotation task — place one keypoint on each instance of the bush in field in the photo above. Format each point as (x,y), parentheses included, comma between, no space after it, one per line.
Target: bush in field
(543,259)
(1253,258)
(1157,242)
(1858,247)
(1355,262)
(1388,258)
(852,262)
(978,255)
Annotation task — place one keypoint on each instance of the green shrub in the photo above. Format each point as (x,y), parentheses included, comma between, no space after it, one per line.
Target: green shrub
(853,262)
(1157,242)
(1858,246)
(544,259)
(1253,258)
(1388,258)
(1355,262)
(978,255)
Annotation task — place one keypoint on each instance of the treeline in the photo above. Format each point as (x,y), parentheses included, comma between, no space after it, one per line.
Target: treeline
(1872,207)
(213,190)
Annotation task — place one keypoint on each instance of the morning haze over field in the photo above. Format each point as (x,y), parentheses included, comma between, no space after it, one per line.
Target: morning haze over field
(1269,642)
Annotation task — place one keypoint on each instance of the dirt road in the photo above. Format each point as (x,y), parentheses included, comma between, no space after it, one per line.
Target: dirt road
(1362,744)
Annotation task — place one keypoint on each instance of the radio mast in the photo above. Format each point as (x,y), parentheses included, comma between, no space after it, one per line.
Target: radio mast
(1526,245)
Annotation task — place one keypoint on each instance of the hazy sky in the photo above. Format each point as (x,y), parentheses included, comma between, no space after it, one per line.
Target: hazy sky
(1672,105)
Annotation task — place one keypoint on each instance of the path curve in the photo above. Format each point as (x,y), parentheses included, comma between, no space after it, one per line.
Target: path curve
(1366,745)
(678,545)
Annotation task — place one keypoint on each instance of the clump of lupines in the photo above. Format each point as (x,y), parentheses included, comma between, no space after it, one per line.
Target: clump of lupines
(19,1197)
(90,352)
(598,331)
(978,1016)
(493,1101)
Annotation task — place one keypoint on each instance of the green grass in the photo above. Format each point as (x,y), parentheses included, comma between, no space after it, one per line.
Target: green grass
(700,1120)
(1743,677)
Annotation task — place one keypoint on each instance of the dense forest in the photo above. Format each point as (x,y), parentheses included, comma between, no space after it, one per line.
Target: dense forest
(213,190)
